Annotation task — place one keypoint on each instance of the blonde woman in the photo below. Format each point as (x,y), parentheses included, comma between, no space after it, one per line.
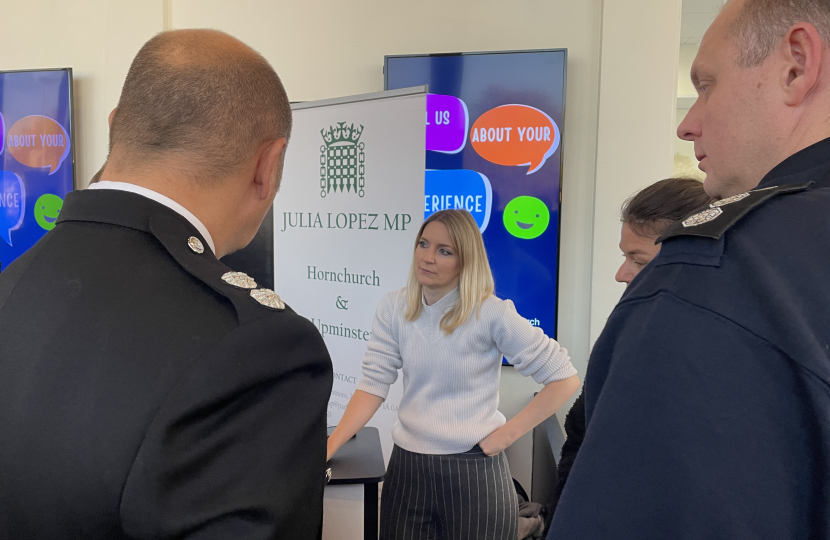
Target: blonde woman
(448,477)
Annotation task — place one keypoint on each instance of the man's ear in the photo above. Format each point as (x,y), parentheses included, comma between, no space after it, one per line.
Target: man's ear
(801,50)
(111,116)
(269,168)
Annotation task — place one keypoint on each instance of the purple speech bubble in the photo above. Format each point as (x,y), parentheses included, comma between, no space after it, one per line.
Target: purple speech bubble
(447,122)
(12,204)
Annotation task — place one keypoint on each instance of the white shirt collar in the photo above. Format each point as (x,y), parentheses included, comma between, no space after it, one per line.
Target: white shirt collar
(161,199)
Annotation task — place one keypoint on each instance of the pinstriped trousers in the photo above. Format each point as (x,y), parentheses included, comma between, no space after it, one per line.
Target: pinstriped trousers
(467,496)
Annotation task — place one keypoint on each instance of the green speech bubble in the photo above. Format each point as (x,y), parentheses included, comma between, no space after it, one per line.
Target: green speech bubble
(47,208)
(526,217)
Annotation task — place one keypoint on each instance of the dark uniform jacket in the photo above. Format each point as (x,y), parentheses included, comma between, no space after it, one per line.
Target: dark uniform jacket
(143,397)
(708,392)
(574,433)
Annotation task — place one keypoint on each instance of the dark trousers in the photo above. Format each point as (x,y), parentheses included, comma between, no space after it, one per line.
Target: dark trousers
(467,496)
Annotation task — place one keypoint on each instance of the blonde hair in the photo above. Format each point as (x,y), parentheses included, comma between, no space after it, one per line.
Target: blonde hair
(475,283)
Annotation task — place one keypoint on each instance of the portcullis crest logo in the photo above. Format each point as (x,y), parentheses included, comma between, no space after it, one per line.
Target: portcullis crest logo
(341,160)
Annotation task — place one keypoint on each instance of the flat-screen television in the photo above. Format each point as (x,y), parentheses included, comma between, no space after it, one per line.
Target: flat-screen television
(494,146)
(37,151)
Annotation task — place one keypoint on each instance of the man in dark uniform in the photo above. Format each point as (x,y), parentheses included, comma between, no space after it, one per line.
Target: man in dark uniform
(708,392)
(146,390)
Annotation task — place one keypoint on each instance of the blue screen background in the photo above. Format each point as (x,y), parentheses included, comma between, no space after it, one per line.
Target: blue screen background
(525,271)
(25,93)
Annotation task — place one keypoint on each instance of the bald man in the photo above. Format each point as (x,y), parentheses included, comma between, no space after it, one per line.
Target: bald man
(147,391)
(708,392)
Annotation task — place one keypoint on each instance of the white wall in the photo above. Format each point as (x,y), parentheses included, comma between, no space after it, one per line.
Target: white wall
(98,39)
(637,103)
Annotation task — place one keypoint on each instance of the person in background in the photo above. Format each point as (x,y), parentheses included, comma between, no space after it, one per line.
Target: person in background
(147,391)
(448,477)
(708,391)
(645,217)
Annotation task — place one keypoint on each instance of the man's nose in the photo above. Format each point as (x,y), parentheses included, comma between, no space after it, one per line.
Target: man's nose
(690,128)
(623,275)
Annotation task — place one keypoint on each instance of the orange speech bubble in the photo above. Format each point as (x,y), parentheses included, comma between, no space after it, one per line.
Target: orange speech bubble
(38,141)
(517,135)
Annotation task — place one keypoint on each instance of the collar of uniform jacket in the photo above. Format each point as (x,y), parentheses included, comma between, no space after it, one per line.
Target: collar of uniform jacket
(812,163)
(117,207)
(159,198)
(171,229)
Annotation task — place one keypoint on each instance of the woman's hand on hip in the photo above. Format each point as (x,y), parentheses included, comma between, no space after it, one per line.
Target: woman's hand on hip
(546,402)
(496,442)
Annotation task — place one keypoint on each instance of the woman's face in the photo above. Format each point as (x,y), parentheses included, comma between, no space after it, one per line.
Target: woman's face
(638,252)
(436,259)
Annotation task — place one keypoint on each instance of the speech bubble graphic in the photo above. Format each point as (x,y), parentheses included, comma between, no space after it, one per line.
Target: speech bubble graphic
(12,204)
(447,123)
(47,209)
(526,217)
(38,141)
(459,188)
(517,135)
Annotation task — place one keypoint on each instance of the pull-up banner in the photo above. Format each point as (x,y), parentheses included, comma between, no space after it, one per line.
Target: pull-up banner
(345,220)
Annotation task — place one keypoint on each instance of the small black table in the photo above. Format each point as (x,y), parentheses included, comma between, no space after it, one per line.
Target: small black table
(360,461)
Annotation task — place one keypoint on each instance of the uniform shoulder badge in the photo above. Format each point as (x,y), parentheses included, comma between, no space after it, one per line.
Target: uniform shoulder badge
(714,221)
(240,280)
(729,200)
(196,245)
(268,298)
(702,217)
(182,242)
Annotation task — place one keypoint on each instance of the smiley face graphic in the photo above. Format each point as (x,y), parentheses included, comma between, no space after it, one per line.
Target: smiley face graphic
(47,208)
(526,217)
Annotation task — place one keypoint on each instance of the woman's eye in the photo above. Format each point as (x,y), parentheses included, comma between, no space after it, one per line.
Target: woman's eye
(445,252)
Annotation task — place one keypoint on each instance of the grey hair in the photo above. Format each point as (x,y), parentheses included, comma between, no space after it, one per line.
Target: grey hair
(760,25)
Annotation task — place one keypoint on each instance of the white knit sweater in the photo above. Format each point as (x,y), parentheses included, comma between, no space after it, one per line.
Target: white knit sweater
(451,383)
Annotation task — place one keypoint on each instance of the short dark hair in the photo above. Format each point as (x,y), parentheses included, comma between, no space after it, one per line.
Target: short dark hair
(760,25)
(202,96)
(650,212)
